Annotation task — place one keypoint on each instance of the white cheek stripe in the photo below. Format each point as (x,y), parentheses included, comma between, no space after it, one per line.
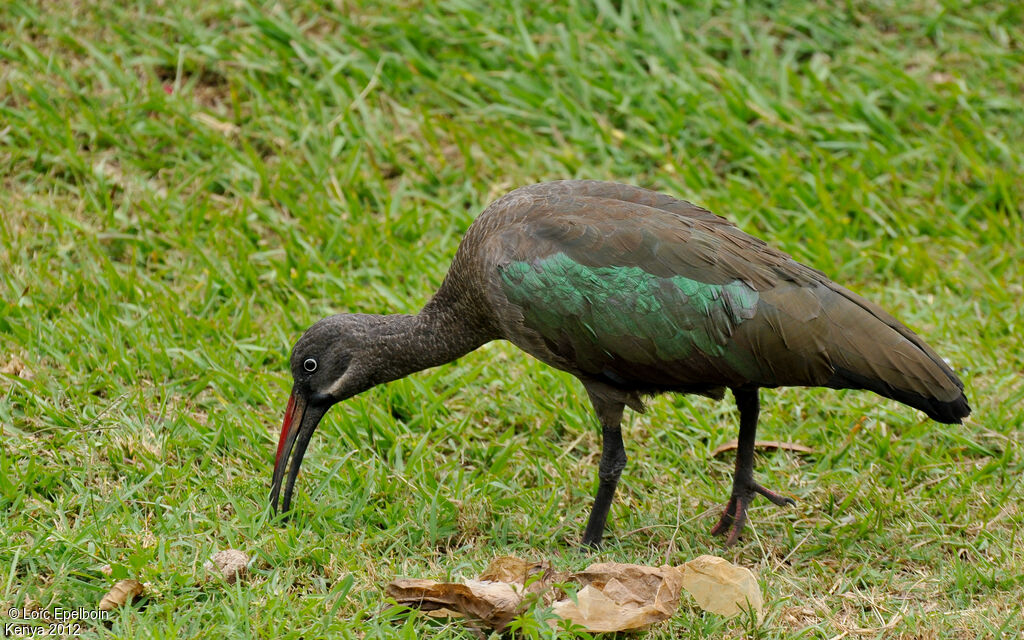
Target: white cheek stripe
(333,389)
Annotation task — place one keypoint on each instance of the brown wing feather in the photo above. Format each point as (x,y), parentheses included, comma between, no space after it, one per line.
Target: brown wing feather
(808,330)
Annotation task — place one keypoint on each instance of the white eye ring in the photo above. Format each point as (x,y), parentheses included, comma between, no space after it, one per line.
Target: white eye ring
(309,365)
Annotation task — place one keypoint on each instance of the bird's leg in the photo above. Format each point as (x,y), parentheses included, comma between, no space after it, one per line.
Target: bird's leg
(734,517)
(613,460)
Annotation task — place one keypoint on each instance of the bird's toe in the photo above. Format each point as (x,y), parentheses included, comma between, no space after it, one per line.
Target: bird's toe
(775,498)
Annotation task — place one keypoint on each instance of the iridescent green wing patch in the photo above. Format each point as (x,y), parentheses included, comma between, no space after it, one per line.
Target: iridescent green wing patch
(628,312)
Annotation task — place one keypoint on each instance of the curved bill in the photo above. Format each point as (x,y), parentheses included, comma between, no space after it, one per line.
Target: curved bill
(300,421)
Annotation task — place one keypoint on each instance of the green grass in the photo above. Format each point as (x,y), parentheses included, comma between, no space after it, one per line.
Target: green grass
(187,185)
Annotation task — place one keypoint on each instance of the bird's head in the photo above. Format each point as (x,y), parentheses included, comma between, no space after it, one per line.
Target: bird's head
(334,360)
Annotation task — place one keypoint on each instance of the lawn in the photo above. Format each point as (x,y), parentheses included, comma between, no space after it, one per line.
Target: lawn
(186,186)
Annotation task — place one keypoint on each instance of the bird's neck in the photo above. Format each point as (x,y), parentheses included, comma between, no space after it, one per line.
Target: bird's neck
(411,343)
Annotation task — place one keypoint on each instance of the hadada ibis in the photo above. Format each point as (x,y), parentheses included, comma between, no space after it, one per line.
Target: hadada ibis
(635,293)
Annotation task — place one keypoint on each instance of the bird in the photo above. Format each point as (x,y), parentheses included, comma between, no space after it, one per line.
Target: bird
(635,293)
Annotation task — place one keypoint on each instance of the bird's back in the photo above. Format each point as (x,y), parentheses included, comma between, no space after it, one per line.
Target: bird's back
(649,293)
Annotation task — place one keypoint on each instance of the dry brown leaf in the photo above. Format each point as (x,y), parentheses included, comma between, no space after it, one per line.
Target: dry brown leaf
(15,367)
(721,587)
(493,603)
(622,597)
(537,576)
(763,444)
(596,612)
(122,593)
(630,582)
(510,569)
(230,563)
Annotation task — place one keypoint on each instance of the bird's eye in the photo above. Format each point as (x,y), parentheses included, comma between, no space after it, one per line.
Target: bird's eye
(309,365)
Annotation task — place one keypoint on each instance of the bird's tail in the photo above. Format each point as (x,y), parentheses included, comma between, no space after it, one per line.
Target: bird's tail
(891,360)
(945,411)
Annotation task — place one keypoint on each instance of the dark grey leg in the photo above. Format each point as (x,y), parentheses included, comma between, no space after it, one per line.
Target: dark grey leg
(613,460)
(734,517)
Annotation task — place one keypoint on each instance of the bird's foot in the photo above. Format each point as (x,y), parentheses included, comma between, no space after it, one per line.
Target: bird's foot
(734,517)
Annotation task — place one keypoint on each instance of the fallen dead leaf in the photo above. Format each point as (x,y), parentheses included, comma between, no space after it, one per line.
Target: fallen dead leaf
(595,611)
(492,603)
(721,587)
(763,444)
(622,597)
(509,569)
(122,593)
(15,367)
(537,576)
(230,563)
